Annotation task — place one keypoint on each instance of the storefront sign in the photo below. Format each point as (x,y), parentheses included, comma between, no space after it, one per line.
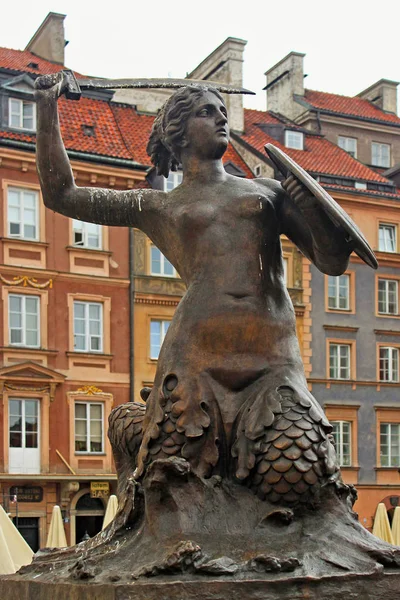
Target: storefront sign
(26,493)
(99,489)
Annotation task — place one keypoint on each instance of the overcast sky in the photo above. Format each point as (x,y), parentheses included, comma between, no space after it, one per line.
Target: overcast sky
(348,44)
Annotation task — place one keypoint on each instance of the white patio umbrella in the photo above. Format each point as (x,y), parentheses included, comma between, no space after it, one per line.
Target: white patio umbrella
(56,536)
(111,510)
(7,566)
(381,526)
(396,526)
(21,554)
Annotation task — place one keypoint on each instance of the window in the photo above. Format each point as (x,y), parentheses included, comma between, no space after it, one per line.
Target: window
(88,326)
(158,331)
(89,427)
(388,296)
(339,292)
(388,364)
(339,361)
(23,436)
(294,139)
(22,114)
(349,144)
(285,270)
(87,235)
(387,238)
(160,265)
(257,170)
(174,179)
(23,319)
(380,155)
(390,455)
(342,435)
(22,209)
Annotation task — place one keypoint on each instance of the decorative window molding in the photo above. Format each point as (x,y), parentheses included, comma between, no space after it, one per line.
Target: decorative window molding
(348,144)
(294,139)
(82,461)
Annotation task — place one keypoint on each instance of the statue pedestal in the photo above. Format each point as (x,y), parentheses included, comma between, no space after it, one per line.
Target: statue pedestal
(349,586)
(182,537)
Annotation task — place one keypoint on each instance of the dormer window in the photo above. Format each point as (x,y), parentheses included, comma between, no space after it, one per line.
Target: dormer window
(22,114)
(294,139)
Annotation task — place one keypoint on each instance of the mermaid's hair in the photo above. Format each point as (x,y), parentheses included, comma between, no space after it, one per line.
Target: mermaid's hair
(169,127)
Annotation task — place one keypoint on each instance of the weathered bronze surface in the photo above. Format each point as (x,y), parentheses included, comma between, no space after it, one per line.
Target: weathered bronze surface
(229,484)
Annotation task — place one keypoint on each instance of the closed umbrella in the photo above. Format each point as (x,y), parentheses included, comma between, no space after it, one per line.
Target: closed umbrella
(56,537)
(21,554)
(396,526)
(7,566)
(381,524)
(111,510)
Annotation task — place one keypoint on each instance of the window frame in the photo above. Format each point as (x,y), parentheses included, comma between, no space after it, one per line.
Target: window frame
(339,446)
(22,191)
(21,103)
(162,264)
(352,359)
(384,225)
(85,235)
(343,147)
(87,304)
(23,297)
(349,413)
(172,181)
(88,404)
(391,347)
(336,279)
(292,132)
(390,424)
(387,279)
(379,146)
(161,320)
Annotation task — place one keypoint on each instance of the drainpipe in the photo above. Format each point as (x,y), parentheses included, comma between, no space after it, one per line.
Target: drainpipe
(131,314)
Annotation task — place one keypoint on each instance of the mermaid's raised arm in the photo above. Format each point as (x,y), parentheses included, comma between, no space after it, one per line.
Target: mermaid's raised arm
(131,208)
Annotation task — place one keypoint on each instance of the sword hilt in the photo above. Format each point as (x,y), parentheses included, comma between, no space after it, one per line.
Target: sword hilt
(72,91)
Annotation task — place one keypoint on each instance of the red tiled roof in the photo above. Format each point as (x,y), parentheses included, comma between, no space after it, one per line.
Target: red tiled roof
(18,60)
(319,155)
(348,105)
(107,139)
(135,129)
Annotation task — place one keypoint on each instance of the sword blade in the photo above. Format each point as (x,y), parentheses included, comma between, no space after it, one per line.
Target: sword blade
(146,83)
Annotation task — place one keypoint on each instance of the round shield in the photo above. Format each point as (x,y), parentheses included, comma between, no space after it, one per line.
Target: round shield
(287,167)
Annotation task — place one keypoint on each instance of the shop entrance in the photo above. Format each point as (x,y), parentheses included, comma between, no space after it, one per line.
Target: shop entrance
(89,517)
(29,529)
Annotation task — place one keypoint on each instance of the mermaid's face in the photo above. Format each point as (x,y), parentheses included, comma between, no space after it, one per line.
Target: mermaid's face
(207,131)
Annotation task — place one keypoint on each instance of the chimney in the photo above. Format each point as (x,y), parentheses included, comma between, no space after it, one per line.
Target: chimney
(285,80)
(49,41)
(225,65)
(383,94)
